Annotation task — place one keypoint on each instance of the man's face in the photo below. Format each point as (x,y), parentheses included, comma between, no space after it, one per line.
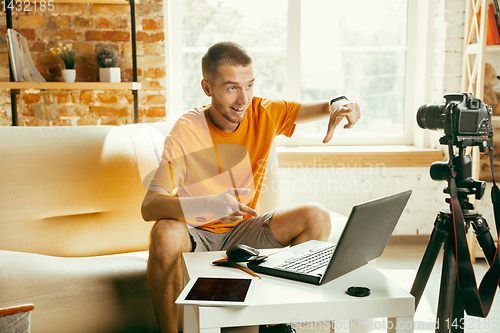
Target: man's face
(231,91)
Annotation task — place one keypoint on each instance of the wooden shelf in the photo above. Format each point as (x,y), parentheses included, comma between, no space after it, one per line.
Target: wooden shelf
(72,85)
(133,86)
(474,48)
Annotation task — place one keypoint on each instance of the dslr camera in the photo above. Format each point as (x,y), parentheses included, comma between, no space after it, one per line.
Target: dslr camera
(466,120)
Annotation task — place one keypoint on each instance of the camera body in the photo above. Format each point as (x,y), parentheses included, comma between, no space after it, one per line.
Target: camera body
(466,120)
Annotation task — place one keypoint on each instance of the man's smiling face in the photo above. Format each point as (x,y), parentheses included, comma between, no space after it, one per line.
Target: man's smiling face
(231,92)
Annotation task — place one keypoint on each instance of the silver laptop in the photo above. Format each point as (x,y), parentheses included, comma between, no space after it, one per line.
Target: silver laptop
(364,238)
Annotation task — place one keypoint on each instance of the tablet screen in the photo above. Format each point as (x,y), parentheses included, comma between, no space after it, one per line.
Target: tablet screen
(219,289)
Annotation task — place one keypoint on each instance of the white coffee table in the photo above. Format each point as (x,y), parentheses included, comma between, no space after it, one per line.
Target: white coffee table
(279,300)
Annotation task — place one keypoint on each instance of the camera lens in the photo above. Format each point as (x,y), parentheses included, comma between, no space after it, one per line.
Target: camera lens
(430,116)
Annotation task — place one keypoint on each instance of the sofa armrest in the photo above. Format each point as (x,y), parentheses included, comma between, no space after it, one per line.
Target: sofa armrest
(16,318)
(16,309)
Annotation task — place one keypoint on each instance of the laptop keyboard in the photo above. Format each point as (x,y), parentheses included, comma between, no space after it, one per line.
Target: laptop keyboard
(310,261)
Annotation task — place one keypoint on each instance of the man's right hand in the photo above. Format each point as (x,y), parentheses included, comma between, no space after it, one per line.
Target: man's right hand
(226,205)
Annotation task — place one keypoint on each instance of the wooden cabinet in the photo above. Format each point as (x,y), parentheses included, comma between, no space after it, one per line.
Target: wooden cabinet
(134,86)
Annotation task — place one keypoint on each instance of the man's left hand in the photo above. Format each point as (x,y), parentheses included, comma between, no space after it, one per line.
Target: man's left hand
(338,111)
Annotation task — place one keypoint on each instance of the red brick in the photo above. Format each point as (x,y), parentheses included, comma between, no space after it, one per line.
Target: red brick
(110,9)
(114,36)
(102,23)
(108,98)
(86,121)
(29,34)
(61,21)
(128,73)
(150,38)
(151,24)
(24,121)
(61,122)
(38,47)
(155,99)
(64,111)
(106,111)
(86,97)
(27,111)
(65,8)
(156,111)
(155,73)
(83,48)
(130,98)
(49,59)
(60,34)
(31,98)
(111,121)
(30,21)
(81,22)
(148,9)
(59,97)
(152,86)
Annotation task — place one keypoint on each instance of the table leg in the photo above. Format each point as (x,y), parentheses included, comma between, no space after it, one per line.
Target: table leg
(400,325)
(340,326)
(210,330)
(191,322)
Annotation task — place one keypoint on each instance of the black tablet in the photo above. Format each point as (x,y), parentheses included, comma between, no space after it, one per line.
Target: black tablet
(218,291)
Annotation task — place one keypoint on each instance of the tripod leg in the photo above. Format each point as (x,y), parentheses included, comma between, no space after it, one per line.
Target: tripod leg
(483,236)
(458,323)
(447,288)
(428,260)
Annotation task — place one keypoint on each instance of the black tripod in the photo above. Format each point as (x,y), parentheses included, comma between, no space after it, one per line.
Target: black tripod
(450,313)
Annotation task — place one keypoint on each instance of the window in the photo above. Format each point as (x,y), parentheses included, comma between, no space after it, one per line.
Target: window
(305,50)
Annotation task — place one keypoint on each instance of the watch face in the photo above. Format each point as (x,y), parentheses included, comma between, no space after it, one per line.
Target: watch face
(338,99)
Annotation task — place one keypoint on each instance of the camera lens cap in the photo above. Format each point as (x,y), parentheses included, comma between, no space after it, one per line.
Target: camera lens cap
(358,291)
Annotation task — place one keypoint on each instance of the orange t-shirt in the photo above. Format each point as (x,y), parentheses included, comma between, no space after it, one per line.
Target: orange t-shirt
(199,159)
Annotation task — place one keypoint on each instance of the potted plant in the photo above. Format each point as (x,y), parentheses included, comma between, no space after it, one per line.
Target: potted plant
(68,55)
(108,62)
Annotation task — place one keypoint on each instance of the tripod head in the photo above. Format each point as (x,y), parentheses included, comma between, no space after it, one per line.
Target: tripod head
(459,166)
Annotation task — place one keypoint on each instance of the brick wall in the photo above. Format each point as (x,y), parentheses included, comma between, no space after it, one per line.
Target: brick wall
(88,26)
(448,44)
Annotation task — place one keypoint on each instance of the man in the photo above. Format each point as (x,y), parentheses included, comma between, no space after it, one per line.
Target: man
(205,190)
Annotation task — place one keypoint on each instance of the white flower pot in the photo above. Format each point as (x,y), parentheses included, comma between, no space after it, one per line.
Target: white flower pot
(110,74)
(68,75)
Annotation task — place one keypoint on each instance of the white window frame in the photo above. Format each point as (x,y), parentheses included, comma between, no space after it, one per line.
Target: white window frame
(417,76)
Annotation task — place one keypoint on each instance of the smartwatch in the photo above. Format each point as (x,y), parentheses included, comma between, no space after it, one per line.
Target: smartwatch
(338,99)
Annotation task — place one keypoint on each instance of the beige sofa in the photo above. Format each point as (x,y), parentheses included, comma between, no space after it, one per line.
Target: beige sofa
(72,240)
(71,231)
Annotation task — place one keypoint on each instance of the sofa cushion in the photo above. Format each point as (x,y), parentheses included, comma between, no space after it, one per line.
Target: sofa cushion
(96,294)
(71,191)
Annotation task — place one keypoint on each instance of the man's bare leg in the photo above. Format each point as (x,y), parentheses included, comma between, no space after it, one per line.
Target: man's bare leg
(293,226)
(169,238)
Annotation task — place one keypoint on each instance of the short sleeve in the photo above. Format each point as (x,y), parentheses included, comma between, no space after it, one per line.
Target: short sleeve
(171,170)
(284,113)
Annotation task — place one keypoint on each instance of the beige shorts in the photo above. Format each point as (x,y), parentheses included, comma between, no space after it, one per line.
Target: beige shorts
(254,232)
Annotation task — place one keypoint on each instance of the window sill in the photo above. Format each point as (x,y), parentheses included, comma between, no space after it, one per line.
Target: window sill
(362,156)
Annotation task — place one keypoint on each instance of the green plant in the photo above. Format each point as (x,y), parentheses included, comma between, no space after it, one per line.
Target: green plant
(106,57)
(67,54)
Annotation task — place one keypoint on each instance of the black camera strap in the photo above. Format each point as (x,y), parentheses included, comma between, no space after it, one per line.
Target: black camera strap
(476,302)
(495,193)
